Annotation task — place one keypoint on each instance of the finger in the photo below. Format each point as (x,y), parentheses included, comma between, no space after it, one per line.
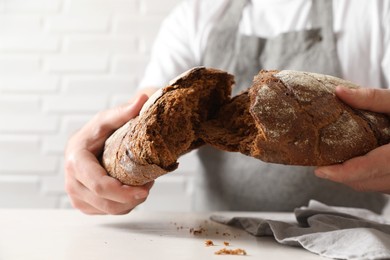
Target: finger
(74,188)
(372,165)
(89,202)
(91,174)
(105,123)
(380,184)
(85,207)
(375,100)
(110,207)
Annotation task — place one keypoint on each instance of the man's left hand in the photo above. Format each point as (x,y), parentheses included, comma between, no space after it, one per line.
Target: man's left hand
(370,172)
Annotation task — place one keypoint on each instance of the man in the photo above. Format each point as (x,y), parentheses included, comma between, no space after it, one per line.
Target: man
(349,39)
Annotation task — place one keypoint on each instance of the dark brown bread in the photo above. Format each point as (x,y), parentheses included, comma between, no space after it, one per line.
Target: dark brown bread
(149,145)
(292,117)
(317,128)
(286,117)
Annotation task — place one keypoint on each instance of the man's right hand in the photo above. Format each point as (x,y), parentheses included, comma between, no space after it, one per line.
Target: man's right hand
(89,187)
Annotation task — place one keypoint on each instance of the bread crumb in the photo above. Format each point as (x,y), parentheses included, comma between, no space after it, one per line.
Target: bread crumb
(225,251)
(209,243)
(226,243)
(197,231)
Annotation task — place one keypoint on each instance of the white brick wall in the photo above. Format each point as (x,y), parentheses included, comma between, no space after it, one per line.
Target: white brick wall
(61,61)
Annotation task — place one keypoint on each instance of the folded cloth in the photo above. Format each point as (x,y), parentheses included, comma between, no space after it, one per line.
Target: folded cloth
(335,232)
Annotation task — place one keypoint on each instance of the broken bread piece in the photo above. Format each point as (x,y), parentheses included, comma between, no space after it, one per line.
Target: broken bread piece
(149,145)
(286,117)
(294,118)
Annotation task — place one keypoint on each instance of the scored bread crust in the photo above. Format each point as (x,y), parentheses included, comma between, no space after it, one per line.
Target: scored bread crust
(304,123)
(294,118)
(149,145)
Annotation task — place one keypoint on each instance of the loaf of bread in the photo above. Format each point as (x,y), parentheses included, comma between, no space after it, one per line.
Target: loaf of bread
(149,145)
(285,117)
(295,118)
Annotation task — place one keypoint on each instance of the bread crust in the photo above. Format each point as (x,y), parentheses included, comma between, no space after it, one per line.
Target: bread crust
(149,145)
(122,163)
(304,123)
(285,117)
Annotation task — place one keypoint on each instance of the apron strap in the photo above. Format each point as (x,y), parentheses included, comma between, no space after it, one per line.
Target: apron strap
(321,16)
(224,36)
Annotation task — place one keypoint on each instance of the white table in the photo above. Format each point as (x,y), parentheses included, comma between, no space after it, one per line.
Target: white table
(68,234)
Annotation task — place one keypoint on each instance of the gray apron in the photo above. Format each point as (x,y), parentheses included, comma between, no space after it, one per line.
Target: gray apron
(232,181)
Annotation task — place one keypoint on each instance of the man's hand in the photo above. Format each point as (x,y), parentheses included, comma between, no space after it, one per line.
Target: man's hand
(89,187)
(370,172)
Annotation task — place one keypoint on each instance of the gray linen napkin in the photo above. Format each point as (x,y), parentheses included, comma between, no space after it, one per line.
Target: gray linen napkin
(335,232)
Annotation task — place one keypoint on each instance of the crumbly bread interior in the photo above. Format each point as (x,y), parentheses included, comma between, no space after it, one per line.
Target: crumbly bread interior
(173,123)
(295,118)
(286,117)
(234,129)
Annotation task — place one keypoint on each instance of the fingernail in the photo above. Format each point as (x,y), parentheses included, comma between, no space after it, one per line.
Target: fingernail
(344,89)
(322,174)
(140,195)
(134,100)
(130,106)
(149,185)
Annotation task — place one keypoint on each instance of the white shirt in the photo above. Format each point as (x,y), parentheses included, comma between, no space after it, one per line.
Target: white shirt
(362,30)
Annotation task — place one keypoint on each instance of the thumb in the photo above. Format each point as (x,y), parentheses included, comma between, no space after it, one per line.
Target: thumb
(106,122)
(371,99)
(118,116)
